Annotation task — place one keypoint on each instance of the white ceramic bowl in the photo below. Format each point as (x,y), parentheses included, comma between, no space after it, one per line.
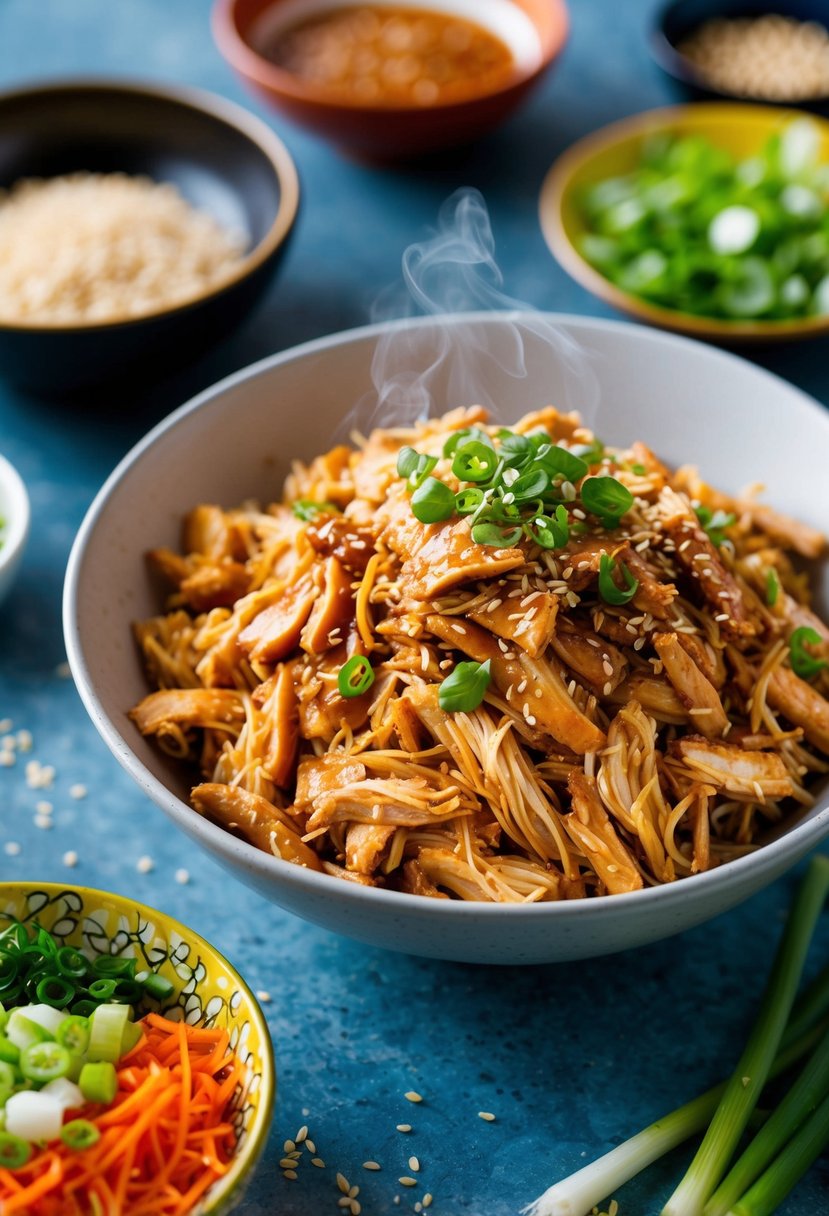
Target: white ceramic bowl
(689,402)
(14,528)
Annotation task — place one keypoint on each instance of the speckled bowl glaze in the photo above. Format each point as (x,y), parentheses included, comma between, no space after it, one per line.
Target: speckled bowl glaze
(208,992)
(235,441)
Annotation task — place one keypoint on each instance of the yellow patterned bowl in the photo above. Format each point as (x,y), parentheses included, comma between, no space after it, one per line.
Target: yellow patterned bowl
(207,992)
(740,128)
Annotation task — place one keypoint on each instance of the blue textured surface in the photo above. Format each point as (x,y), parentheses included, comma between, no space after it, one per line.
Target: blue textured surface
(571,1059)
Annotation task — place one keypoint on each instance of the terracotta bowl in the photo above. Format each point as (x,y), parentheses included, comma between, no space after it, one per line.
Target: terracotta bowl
(379,131)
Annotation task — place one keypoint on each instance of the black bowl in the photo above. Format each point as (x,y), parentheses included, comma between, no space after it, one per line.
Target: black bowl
(222,160)
(674,21)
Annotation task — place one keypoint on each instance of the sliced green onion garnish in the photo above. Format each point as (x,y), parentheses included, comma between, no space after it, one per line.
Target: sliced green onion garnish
(607,498)
(407,459)
(421,471)
(608,589)
(530,485)
(102,989)
(459,438)
(306,510)
(71,963)
(79,1134)
(55,990)
(469,500)
(157,986)
(106,1029)
(23,1030)
(772,587)
(99,1082)
(559,462)
(113,966)
(714,523)
(432,501)
(474,461)
(355,677)
(14,1151)
(491,534)
(9,1052)
(463,690)
(42,1062)
(73,1034)
(804,664)
(550,532)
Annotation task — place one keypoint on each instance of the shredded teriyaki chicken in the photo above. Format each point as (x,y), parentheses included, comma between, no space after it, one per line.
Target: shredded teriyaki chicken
(611,687)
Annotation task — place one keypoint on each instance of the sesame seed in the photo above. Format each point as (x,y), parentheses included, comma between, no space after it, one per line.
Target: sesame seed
(353,1192)
(288,1146)
(301,1134)
(7,758)
(78,790)
(290,1174)
(145,865)
(427,1199)
(11,848)
(24,741)
(486,1116)
(43,808)
(318,1162)
(6,725)
(411,1095)
(607,689)
(70,859)
(404,1127)
(343,1184)
(265,998)
(344,1202)
(407,1181)
(371,1165)
(356,1208)
(182,877)
(43,821)
(414,1165)
(530,719)
(287,1163)
(309,1144)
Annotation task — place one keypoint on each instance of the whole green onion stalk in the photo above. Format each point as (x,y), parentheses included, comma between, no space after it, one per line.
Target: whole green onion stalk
(750,1075)
(808,1025)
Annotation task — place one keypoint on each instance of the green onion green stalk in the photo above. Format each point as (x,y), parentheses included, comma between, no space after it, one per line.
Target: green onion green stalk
(728,1107)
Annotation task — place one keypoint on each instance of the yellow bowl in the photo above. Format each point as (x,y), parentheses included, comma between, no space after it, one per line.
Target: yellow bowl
(207,992)
(741,129)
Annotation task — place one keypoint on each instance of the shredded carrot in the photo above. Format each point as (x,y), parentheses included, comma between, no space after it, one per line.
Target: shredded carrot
(163,1141)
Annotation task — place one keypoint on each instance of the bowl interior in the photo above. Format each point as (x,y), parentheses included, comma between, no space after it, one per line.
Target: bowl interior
(688,402)
(208,991)
(740,129)
(103,128)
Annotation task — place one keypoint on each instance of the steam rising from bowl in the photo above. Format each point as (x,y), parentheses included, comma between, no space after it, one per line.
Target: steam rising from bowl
(454,271)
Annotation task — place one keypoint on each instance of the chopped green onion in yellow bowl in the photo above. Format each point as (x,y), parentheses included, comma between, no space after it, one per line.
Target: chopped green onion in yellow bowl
(708,219)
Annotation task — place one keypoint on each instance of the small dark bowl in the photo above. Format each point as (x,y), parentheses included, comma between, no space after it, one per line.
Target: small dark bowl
(222,160)
(674,21)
